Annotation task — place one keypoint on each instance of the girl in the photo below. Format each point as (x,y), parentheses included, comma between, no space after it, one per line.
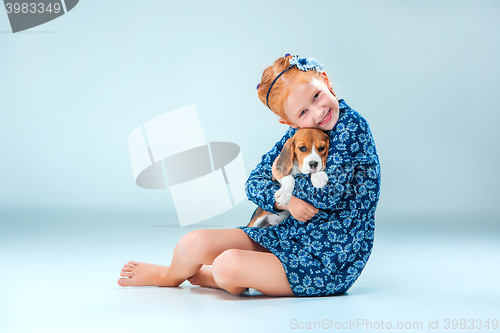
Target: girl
(324,245)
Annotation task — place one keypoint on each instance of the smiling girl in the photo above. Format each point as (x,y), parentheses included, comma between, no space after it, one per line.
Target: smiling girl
(324,245)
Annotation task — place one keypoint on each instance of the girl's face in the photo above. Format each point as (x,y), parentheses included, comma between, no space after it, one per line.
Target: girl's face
(311,104)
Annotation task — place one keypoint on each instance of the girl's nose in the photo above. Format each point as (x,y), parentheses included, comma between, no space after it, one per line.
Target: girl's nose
(317,112)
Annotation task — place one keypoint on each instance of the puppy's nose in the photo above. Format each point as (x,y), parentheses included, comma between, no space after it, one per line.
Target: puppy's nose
(313,164)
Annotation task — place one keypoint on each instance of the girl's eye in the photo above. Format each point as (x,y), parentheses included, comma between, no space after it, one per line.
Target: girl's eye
(316,96)
(302,113)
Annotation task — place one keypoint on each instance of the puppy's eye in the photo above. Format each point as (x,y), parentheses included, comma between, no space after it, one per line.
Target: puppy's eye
(320,149)
(303,149)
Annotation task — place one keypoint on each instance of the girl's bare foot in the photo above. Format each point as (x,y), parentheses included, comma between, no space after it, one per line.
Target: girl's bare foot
(138,274)
(204,278)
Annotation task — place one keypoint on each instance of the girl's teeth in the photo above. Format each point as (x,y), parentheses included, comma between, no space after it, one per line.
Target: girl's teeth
(323,120)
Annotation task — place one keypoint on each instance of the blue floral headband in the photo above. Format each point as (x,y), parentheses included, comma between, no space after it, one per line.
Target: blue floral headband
(303,64)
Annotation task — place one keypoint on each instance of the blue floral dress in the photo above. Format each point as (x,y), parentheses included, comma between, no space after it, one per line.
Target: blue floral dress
(325,255)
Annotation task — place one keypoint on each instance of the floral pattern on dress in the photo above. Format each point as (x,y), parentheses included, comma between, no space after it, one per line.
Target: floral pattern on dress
(325,255)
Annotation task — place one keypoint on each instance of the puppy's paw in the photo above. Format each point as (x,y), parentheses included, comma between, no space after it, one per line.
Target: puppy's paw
(283,196)
(319,179)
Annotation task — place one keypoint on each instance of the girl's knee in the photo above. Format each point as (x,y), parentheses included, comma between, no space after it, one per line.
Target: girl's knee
(193,244)
(226,270)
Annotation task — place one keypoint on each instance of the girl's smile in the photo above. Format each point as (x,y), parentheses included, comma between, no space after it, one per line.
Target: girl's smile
(327,118)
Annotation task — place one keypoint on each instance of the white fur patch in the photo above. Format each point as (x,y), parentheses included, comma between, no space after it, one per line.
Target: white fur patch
(274,219)
(319,179)
(271,219)
(284,194)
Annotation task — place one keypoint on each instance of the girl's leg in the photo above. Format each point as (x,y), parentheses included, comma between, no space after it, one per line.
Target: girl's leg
(193,250)
(236,270)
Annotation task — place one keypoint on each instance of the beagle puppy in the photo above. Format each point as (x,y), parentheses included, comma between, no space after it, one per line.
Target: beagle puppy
(306,153)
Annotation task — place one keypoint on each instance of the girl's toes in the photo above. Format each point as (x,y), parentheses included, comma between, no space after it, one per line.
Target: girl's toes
(123,282)
(127,269)
(126,274)
(193,282)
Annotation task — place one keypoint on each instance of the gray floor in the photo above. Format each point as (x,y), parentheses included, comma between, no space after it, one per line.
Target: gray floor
(59,273)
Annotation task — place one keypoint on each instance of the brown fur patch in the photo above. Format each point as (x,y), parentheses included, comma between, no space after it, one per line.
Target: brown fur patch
(284,162)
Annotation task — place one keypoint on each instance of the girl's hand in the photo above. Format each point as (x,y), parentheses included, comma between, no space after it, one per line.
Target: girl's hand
(300,210)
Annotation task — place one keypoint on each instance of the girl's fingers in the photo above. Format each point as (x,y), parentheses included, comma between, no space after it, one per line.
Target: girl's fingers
(306,217)
(311,211)
(310,214)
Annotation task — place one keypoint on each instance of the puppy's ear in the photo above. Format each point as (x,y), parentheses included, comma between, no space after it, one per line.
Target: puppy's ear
(327,148)
(284,162)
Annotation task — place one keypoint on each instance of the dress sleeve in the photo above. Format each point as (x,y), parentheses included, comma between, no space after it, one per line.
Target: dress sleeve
(352,168)
(260,187)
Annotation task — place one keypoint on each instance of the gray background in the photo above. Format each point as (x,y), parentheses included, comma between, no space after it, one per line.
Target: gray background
(422,73)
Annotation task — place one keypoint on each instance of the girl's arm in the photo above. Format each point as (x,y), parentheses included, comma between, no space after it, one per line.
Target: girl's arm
(352,169)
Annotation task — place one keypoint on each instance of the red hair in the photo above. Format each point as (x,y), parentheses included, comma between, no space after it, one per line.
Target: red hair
(281,88)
